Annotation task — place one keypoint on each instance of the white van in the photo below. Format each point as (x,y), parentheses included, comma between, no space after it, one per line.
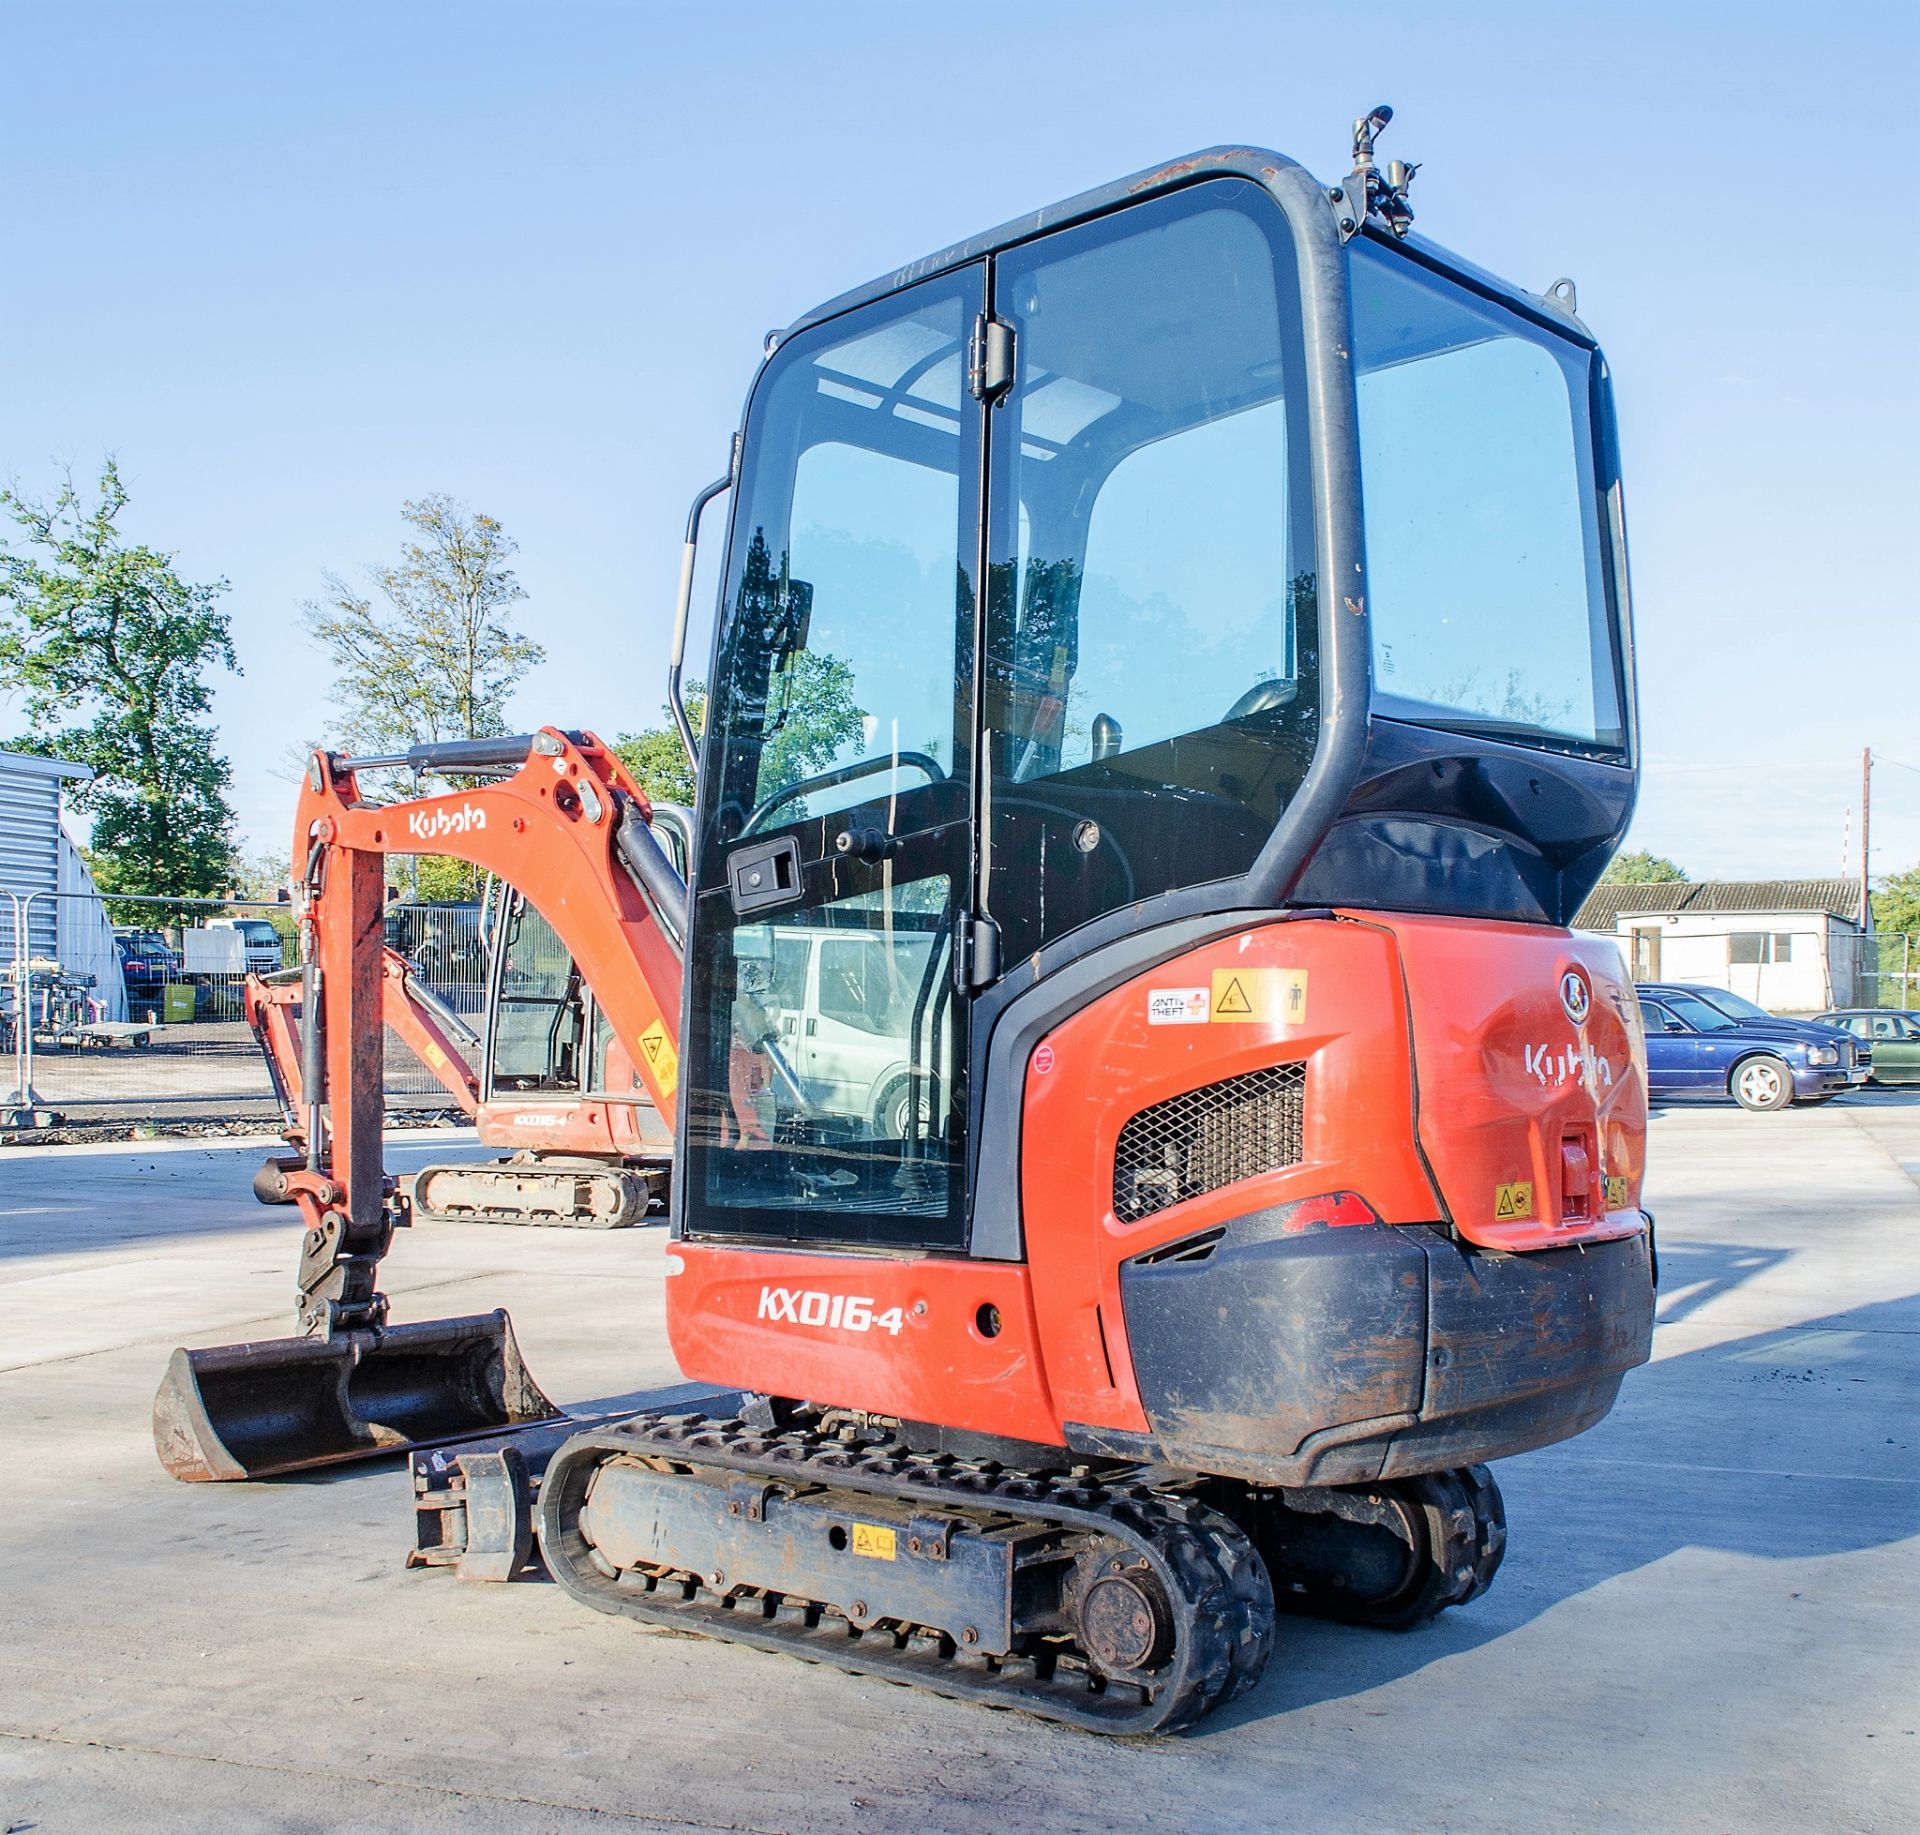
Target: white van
(259,941)
(841,1003)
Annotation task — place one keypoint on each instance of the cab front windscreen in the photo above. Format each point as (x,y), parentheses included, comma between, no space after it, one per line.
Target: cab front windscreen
(1488,584)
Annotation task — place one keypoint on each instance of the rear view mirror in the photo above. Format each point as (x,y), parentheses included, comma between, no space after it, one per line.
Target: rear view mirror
(1673,1025)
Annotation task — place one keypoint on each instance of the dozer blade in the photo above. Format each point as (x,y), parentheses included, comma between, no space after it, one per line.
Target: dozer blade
(289,1404)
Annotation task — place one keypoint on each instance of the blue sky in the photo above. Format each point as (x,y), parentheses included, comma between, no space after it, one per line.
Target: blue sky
(294,263)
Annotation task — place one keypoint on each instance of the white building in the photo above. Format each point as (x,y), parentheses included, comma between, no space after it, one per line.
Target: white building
(1792,945)
(38,860)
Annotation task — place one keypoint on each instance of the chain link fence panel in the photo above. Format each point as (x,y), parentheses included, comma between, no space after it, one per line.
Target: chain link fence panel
(120,1013)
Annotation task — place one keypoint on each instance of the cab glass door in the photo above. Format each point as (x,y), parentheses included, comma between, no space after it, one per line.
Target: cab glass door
(1151,672)
(823,1053)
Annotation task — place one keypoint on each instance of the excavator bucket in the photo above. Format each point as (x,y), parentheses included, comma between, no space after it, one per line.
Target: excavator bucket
(290,1404)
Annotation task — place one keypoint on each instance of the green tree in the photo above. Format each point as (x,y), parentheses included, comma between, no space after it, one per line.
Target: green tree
(656,757)
(111,649)
(1641,868)
(813,718)
(1896,906)
(433,652)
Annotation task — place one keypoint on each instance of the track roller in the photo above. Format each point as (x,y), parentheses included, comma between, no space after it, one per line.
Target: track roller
(1391,1555)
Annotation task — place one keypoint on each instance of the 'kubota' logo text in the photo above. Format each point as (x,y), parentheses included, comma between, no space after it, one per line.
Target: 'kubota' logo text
(833,1312)
(1572,1063)
(423,827)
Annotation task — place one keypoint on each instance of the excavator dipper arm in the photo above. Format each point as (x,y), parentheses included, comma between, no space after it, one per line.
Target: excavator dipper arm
(569,821)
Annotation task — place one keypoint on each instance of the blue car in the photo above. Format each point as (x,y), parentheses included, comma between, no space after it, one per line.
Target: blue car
(1696,1050)
(1744,1012)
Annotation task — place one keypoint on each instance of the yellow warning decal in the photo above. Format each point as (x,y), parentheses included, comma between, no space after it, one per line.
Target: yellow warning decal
(871,1539)
(1513,1201)
(1259,994)
(435,1056)
(661,1057)
(1616,1191)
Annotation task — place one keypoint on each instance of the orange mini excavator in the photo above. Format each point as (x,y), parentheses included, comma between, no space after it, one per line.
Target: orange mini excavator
(1145,1135)
(541,1073)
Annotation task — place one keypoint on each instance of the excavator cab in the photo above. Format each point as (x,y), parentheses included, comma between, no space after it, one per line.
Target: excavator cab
(1052,620)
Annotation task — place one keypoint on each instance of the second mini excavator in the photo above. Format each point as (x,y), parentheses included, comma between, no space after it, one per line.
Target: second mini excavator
(541,1074)
(1145,1135)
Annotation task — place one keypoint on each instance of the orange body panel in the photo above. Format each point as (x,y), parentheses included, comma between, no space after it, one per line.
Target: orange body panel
(939,1365)
(1111,1060)
(1462,1072)
(1519,1083)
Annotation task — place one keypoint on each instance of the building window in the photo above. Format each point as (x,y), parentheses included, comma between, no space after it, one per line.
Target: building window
(1754,947)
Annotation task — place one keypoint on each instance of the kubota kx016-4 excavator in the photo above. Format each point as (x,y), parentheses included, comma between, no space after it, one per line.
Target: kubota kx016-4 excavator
(1146,1134)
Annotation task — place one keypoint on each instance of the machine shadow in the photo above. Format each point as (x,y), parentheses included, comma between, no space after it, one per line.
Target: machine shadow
(1616,1521)
(1693,1274)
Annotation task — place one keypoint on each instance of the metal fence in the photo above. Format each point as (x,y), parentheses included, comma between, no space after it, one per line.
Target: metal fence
(1884,968)
(128,1010)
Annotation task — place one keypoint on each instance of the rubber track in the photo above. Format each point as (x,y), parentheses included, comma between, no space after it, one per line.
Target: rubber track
(1478,1541)
(523,1219)
(1222,1599)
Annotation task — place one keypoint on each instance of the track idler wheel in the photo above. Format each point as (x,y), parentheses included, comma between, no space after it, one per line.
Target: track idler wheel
(1392,1555)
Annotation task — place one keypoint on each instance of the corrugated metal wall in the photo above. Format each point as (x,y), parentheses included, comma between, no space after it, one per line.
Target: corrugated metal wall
(29,846)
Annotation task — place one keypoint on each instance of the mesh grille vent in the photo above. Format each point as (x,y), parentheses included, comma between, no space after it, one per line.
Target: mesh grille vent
(1207,1138)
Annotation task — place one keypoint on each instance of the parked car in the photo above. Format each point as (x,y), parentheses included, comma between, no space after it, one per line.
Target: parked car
(1891,1033)
(1744,1012)
(1695,1050)
(147,962)
(259,940)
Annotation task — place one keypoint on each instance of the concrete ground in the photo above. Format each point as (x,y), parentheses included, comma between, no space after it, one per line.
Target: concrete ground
(1707,1620)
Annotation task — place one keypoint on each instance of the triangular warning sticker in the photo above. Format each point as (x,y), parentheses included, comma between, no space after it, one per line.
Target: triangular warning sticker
(1232,1001)
(662,1060)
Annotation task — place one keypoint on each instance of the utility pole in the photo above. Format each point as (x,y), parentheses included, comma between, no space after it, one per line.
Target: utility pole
(1866,817)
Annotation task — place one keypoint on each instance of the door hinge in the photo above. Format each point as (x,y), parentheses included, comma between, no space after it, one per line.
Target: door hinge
(989,358)
(979,952)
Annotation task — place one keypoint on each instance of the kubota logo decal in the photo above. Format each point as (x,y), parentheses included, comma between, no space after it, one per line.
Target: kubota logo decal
(1576,996)
(424,827)
(1572,1062)
(832,1312)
